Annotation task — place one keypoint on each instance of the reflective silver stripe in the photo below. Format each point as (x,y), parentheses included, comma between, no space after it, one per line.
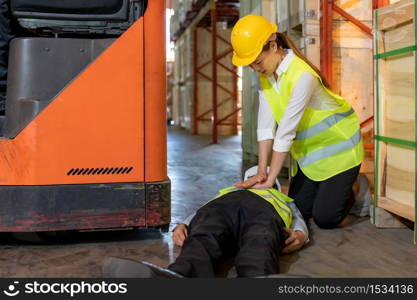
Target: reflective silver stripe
(282,209)
(323,125)
(330,150)
(282,201)
(285,208)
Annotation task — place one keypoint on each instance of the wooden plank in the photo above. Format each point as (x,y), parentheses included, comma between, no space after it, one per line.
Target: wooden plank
(352,51)
(395,15)
(400,209)
(398,90)
(396,38)
(354,86)
(400,175)
(396,165)
(348,35)
(381,163)
(360,9)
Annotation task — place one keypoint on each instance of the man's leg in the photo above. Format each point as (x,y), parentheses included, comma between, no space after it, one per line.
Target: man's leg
(261,238)
(334,199)
(209,237)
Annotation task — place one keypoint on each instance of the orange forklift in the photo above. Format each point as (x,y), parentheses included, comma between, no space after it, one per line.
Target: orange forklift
(83,141)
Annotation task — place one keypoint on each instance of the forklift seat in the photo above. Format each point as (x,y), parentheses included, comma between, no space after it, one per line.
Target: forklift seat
(109,17)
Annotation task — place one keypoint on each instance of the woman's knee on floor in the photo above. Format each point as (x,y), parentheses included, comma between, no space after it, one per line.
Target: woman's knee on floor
(327,221)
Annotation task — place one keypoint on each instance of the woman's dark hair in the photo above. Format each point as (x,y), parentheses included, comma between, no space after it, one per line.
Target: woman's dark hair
(283,41)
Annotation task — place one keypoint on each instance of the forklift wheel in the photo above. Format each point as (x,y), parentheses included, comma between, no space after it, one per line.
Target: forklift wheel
(163,228)
(40,237)
(31,237)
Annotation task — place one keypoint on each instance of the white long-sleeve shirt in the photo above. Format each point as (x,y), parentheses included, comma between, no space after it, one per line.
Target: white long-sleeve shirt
(308,92)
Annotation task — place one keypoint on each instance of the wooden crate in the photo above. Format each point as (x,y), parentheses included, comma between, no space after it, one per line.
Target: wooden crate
(395,164)
(352,51)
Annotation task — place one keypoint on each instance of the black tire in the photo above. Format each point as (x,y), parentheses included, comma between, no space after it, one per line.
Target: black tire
(41,237)
(31,237)
(164,228)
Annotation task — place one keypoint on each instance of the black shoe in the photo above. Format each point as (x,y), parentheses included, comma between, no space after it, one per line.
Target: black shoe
(114,267)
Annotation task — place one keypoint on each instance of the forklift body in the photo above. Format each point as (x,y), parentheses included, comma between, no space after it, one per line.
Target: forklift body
(83,143)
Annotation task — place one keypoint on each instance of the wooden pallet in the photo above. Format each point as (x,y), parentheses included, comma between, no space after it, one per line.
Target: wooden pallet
(395,164)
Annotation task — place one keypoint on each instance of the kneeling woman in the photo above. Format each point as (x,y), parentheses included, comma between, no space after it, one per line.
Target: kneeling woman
(318,127)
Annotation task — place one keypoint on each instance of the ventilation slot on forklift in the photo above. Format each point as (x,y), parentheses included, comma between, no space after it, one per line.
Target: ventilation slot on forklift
(99,171)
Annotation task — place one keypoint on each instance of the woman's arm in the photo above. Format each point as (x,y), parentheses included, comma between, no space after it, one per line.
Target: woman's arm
(287,128)
(265,135)
(264,155)
(277,161)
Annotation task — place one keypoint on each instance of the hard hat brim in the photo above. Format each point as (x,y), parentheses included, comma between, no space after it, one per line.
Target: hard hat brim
(242,62)
(245,61)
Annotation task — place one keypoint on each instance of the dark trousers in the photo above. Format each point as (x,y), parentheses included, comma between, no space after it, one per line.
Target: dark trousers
(240,225)
(328,202)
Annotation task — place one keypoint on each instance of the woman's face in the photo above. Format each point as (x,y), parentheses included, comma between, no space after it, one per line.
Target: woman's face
(267,62)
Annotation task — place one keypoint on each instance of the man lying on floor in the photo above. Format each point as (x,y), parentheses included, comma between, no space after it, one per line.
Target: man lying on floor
(254,226)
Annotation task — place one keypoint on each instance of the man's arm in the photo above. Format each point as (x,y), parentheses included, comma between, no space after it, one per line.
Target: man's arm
(298,233)
(298,223)
(180,232)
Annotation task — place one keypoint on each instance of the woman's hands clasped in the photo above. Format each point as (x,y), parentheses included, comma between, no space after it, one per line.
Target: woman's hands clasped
(251,181)
(258,181)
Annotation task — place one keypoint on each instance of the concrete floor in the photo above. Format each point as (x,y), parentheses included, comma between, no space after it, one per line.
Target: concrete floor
(197,170)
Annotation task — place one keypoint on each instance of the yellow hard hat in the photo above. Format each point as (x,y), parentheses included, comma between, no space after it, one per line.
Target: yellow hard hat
(249,35)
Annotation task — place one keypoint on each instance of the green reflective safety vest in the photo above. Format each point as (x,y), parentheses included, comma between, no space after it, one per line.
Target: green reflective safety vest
(277,199)
(327,142)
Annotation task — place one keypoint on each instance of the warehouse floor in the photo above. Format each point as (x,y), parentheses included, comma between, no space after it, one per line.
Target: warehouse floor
(197,170)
